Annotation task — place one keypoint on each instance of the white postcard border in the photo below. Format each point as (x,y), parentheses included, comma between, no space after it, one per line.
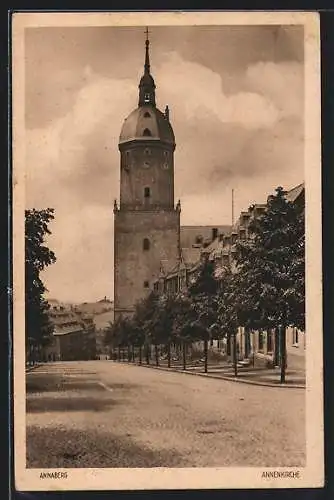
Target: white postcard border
(186,478)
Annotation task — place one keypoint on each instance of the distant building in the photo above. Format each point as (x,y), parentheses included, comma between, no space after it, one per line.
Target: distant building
(74,334)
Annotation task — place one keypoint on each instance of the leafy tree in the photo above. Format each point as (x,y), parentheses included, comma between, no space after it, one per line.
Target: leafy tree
(185,328)
(37,257)
(162,323)
(144,319)
(229,310)
(270,267)
(205,302)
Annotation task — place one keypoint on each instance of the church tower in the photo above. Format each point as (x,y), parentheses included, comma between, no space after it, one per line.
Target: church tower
(147,222)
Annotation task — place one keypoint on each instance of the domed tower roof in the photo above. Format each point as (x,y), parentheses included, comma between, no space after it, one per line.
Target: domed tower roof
(147,122)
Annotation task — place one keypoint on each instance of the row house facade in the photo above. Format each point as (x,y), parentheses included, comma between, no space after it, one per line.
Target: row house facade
(263,346)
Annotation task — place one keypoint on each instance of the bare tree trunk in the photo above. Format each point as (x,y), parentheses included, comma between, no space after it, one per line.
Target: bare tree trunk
(206,356)
(119,353)
(235,354)
(184,355)
(277,347)
(140,355)
(168,354)
(147,355)
(283,353)
(129,354)
(156,355)
(247,342)
(133,354)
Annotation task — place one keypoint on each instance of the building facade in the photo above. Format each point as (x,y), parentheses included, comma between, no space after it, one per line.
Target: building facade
(74,335)
(220,249)
(146,220)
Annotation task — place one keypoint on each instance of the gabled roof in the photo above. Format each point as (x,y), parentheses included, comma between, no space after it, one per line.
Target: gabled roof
(188,234)
(295,192)
(190,256)
(167,266)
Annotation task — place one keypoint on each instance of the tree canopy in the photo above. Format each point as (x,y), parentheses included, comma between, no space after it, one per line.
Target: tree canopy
(37,257)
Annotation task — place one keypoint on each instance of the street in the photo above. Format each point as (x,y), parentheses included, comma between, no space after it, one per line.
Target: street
(105,414)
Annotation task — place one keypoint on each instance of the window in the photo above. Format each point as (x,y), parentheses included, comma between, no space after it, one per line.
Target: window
(166,153)
(226,260)
(127,160)
(147,97)
(146,244)
(165,166)
(147,132)
(147,115)
(147,152)
(146,284)
(146,164)
(295,337)
(147,192)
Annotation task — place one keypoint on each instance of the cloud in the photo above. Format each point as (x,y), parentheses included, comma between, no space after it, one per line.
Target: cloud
(283,83)
(251,140)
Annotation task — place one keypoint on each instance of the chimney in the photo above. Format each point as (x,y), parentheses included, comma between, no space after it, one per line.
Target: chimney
(221,236)
(167,113)
(214,233)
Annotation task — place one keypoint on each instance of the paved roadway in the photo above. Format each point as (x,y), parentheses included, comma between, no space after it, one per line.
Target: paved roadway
(106,414)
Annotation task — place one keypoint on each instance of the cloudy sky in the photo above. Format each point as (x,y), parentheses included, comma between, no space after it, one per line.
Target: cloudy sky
(236,100)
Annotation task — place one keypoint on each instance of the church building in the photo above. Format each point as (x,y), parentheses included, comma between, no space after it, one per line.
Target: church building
(147,221)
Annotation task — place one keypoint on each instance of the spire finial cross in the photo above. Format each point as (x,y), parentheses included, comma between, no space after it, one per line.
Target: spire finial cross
(147,33)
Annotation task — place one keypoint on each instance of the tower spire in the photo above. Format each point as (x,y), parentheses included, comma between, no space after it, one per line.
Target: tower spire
(147,85)
(147,53)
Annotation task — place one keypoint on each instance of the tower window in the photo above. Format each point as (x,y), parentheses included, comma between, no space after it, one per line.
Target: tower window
(147,192)
(147,98)
(146,164)
(146,244)
(147,115)
(166,153)
(147,132)
(147,152)
(165,166)
(127,160)
(146,284)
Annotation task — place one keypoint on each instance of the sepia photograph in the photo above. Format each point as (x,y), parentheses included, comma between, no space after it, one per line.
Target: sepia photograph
(167,271)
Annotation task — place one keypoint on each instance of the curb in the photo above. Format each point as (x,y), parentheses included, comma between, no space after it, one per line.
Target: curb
(31,368)
(228,379)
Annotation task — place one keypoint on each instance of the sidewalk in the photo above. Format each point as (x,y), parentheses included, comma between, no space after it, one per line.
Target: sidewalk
(29,368)
(269,377)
